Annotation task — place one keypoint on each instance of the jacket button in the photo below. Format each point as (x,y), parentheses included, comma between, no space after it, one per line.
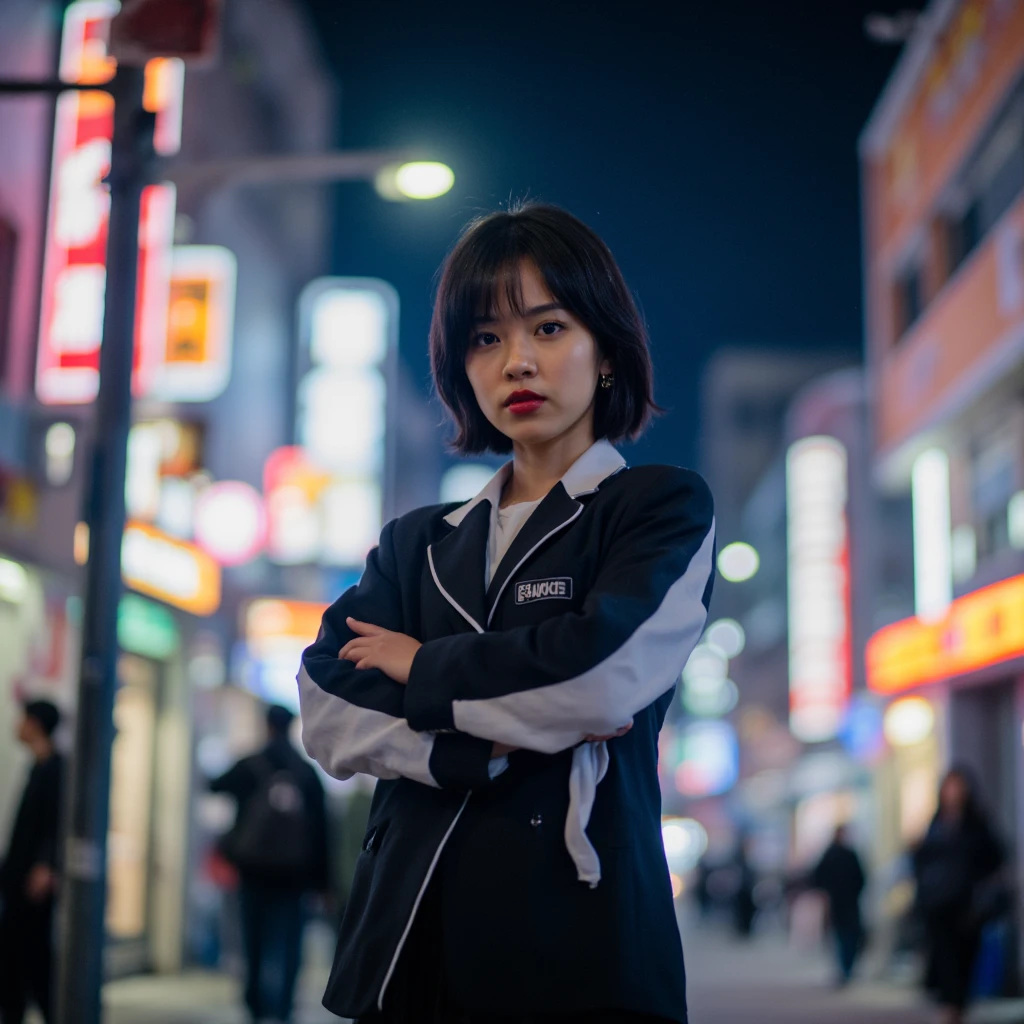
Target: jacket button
(536,821)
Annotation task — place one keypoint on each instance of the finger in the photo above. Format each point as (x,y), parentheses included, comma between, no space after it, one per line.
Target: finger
(353,649)
(364,628)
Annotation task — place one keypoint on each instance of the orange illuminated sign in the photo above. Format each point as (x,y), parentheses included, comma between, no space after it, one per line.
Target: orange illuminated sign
(269,620)
(194,364)
(980,629)
(171,570)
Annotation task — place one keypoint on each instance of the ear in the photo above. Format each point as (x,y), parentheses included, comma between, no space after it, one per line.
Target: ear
(605,368)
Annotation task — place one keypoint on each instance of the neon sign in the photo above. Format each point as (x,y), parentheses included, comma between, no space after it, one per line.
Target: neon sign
(820,669)
(74,265)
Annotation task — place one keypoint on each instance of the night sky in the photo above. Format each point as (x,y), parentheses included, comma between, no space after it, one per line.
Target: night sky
(712,145)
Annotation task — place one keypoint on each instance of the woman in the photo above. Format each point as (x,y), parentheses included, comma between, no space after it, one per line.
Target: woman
(955,867)
(505,666)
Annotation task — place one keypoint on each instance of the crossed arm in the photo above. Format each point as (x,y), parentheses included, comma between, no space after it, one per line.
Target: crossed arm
(377,700)
(392,653)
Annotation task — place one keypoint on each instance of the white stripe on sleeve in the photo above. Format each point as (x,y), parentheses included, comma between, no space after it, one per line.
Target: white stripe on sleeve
(604,698)
(344,738)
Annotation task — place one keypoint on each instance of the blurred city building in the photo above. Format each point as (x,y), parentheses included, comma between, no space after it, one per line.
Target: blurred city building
(943,174)
(251,499)
(746,395)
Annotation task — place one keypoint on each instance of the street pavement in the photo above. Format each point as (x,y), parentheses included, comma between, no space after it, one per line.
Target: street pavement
(763,981)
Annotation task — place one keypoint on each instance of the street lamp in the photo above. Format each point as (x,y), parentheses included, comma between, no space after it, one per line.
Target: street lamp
(416,179)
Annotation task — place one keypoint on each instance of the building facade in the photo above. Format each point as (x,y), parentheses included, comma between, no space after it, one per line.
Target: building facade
(943,180)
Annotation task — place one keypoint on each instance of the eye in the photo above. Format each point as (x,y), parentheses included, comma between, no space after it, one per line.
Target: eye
(484,339)
(550,327)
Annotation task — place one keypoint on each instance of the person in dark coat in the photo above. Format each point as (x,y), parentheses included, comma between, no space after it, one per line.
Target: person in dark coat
(28,875)
(280,797)
(744,905)
(840,876)
(959,856)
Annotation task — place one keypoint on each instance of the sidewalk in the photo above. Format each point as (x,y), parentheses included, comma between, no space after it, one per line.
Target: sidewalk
(211,997)
(766,981)
(763,981)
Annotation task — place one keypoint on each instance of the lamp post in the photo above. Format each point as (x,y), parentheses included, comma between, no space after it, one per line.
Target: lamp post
(133,166)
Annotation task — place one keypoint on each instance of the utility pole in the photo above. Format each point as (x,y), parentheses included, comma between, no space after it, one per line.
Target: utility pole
(82,942)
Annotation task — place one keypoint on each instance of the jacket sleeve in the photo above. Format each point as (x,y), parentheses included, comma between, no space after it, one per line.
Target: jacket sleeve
(546,687)
(353,719)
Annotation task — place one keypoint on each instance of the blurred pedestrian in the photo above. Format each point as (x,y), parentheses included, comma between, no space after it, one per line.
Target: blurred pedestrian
(279,846)
(504,666)
(955,867)
(840,875)
(28,875)
(744,904)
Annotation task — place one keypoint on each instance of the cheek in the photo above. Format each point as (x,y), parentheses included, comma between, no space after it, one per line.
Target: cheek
(479,371)
(579,365)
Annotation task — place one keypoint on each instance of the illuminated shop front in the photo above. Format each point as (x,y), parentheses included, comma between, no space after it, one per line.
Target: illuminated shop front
(956,682)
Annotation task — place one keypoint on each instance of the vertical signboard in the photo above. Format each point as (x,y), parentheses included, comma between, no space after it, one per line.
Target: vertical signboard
(820,667)
(193,363)
(74,265)
(349,327)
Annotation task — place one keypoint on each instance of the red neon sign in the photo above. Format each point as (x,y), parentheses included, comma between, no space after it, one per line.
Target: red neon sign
(74,268)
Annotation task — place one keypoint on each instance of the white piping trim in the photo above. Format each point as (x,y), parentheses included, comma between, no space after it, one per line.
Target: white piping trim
(416,905)
(519,564)
(448,597)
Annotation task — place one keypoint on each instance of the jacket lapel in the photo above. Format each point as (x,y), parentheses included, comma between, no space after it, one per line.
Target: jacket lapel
(552,515)
(457,564)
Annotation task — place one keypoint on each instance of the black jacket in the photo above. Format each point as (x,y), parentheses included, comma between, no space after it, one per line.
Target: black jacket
(588,622)
(952,861)
(242,780)
(840,876)
(35,835)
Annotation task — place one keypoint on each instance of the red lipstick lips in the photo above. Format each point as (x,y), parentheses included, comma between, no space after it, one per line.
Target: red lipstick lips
(520,403)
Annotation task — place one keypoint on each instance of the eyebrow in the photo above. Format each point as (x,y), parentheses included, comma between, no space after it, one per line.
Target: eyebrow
(548,307)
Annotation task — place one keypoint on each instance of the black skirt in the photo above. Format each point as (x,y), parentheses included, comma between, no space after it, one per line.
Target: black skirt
(419,990)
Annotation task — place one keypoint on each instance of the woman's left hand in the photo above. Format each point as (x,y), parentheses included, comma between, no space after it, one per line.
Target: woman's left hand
(376,647)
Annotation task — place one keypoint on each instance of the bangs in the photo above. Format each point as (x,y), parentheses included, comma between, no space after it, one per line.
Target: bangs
(489,280)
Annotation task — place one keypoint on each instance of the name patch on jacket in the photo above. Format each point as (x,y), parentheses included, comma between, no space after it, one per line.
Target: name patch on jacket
(542,590)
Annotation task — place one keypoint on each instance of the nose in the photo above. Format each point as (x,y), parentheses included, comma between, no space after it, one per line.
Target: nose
(519,360)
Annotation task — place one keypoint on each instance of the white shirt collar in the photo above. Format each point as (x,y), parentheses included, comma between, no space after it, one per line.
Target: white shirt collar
(584,476)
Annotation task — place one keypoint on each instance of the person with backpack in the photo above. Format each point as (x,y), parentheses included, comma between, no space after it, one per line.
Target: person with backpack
(279,846)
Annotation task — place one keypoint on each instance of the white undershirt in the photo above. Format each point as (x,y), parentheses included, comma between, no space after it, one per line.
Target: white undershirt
(507,523)
(590,760)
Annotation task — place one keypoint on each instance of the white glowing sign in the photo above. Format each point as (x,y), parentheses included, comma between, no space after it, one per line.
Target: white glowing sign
(74,265)
(324,498)
(933,555)
(819,597)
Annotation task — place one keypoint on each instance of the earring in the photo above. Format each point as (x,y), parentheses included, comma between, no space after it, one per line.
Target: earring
(606,380)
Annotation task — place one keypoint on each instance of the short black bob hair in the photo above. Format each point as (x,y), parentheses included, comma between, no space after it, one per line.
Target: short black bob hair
(582,275)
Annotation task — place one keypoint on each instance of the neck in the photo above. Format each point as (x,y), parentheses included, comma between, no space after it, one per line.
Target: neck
(41,748)
(536,468)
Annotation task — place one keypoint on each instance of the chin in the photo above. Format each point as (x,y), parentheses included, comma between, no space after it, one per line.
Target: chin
(532,433)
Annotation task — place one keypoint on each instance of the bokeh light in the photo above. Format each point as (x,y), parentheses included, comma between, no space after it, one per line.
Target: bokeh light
(738,562)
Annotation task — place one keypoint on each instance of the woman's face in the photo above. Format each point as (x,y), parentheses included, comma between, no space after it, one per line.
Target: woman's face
(535,376)
(953,794)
